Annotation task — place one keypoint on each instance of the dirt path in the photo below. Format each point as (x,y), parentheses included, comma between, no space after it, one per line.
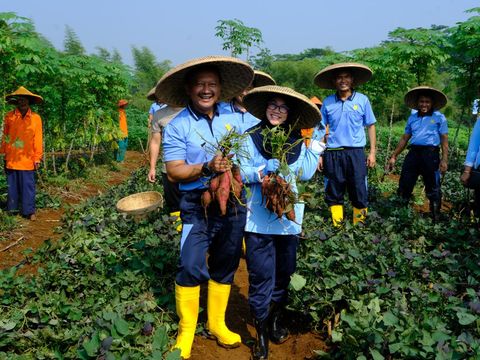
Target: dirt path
(300,345)
(30,235)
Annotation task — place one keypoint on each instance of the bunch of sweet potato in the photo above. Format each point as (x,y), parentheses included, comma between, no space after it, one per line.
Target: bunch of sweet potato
(223,187)
(278,196)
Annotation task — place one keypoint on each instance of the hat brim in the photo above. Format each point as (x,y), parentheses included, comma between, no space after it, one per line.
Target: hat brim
(122,103)
(306,113)
(166,114)
(262,79)
(151,94)
(32,99)
(325,79)
(236,75)
(439,99)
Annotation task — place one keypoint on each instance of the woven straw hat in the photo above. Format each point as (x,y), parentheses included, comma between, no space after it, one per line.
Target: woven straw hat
(166,114)
(305,112)
(151,94)
(325,78)
(439,99)
(22,91)
(122,102)
(235,75)
(262,79)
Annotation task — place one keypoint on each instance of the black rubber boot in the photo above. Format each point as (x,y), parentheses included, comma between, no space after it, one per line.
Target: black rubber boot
(278,332)
(435,210)
(260,349)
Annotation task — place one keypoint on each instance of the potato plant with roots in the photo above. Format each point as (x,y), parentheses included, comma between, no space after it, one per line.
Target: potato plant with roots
(226,188)
(277,193)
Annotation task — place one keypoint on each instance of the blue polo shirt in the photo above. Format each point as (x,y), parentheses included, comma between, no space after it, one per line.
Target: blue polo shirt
(155,106)
(347,119)
(247,119)
(473,151)
(191,136)
(426,130)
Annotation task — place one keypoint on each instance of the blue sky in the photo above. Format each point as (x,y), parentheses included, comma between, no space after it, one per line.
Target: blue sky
(180,30)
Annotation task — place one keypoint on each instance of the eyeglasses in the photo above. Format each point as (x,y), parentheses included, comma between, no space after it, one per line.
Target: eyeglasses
(283,109)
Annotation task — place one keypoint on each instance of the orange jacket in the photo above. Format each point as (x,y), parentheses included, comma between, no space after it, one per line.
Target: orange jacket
(22,141)
(307,134)
(122,118)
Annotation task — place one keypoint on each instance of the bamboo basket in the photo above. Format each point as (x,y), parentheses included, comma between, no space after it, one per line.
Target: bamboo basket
(140,203)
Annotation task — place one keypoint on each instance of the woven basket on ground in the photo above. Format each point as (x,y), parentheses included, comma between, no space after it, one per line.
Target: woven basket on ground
(140,203)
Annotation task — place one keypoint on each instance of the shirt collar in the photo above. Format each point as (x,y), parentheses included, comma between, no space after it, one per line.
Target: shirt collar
(350,98)
(28,114)
(430,113)
(198,115)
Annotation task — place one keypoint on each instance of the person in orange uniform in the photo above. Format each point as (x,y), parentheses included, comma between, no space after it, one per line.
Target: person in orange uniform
(22,147)
(122,119)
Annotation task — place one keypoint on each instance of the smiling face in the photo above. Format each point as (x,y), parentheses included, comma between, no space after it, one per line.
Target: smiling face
(204,91)
(425,104)
(343,81)
(277,111)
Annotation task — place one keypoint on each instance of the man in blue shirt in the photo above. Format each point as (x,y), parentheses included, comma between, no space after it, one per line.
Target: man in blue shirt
(426,130)
(189,154)
(345,114)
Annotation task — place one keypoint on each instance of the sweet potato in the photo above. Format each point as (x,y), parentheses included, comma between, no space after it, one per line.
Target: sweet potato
(278,197)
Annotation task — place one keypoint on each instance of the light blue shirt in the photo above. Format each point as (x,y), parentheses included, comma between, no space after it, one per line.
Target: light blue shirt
(192,138)
(473,151)
(248,120)
(259,219)
(426,130)
(155,106)
(347,120)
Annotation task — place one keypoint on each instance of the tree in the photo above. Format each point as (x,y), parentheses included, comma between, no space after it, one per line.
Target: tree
(116,57)
(72,44)
(419,49)
(237,37)
(103,53)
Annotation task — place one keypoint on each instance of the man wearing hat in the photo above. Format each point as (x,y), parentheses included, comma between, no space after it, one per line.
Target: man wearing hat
(22,146)
(426,130)
(122,122)
(346,114)
(189,154)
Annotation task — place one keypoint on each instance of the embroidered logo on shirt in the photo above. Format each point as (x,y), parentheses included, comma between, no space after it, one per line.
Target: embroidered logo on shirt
(355,107)
(432,121)
(228,127)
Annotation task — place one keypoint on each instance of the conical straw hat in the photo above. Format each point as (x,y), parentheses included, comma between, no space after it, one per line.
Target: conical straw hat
(151,94)
(439,99)
(22,91)
(305,112)
(262,79)
(122,102)
(325,78)
(236,75)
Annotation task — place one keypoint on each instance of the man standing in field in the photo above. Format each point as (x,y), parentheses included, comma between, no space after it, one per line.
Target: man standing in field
(189,139)
(122,122)
(345,114)
(22,146)
(426,130)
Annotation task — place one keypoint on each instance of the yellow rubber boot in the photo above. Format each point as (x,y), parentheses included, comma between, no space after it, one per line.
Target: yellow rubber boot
(176,214)
(187,300)
(216,306)
(337,214)
(359,215)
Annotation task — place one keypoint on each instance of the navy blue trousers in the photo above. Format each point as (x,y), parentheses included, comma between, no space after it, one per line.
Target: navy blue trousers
(220,236)
(171,193)
(345,170)
(21,191)
(425,161)
(271,260)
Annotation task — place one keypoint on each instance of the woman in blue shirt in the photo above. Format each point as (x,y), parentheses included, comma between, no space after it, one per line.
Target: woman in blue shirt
(271,241)
(426,130)
(472,161)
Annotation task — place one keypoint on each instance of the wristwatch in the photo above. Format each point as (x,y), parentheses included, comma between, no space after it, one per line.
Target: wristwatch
(206,171)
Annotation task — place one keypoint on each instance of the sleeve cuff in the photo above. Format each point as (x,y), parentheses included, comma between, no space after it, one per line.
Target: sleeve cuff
(317,147)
